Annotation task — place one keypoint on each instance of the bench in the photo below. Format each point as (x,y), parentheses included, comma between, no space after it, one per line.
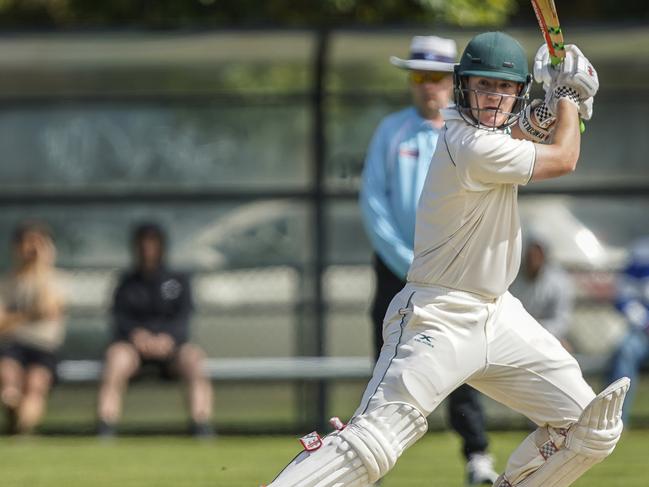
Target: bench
(233,369)
(280,368)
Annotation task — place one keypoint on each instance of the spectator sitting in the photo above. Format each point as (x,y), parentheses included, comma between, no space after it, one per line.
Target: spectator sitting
(31,327)
(633,301)
(546,291)
(151,312)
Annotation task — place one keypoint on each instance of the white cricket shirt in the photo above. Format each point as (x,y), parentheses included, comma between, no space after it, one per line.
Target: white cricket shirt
(467,233)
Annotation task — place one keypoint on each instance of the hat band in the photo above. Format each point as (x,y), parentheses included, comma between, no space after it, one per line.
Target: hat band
(429,56)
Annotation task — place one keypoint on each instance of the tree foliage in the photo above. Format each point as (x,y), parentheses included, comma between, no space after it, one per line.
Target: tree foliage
(243,13)
(296,13)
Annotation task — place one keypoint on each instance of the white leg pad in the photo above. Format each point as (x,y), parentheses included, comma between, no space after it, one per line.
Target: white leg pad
(360,454)
(552,457)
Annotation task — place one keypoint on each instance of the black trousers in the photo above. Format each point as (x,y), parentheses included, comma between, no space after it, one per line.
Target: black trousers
(465,412)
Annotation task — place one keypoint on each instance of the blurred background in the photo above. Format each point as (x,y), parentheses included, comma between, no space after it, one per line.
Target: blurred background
(241,127)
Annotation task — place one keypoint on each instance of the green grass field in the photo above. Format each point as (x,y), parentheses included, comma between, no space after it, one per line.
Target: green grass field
(249,461)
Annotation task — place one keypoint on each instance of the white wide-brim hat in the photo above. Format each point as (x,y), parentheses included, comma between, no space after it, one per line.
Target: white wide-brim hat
(429,53)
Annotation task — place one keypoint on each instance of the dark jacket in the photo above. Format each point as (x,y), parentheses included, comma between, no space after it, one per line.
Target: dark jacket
(160,303)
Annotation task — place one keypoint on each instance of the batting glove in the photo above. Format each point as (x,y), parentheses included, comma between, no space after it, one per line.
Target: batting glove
(544,72)
(536,121)
(586,108)
(575,71)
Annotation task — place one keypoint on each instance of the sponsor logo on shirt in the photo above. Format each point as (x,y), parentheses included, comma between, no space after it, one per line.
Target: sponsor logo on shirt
(405,152)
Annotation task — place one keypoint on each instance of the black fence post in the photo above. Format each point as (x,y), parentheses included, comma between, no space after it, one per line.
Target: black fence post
(319,220)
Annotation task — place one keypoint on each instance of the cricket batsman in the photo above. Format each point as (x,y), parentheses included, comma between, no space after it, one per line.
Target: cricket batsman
(455,322)
(393,177)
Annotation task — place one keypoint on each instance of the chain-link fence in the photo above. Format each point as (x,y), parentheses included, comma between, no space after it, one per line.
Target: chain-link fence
(248,147)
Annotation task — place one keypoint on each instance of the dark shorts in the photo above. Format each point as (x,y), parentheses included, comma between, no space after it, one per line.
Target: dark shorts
(164,369)
(28,356)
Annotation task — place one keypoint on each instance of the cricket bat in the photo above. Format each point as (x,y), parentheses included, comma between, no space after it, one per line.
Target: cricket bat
(546,14)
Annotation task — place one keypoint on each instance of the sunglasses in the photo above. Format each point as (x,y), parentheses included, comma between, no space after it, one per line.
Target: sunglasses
(421,77)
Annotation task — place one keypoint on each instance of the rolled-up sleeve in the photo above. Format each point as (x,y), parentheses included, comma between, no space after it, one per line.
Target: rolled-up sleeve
(494,158)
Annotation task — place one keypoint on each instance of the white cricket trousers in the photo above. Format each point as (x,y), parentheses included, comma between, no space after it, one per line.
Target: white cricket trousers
(436,339)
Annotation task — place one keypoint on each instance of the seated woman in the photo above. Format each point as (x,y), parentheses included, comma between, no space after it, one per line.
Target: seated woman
(31,327)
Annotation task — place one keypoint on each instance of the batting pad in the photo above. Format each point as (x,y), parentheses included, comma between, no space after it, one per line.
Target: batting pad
(552,457)
(360,454)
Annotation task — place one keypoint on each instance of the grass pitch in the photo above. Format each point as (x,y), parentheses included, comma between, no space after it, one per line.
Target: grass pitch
(249,461)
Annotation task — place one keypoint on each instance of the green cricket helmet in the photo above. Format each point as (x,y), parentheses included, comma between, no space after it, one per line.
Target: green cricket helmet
(492,55)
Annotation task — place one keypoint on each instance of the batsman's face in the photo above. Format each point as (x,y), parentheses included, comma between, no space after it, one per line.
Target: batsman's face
(492,100)
(431,91)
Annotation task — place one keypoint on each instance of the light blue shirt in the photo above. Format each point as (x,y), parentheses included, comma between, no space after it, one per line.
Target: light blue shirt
(393,178)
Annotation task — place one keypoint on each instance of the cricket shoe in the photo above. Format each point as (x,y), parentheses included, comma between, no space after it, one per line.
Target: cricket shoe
(480,470)
(106,430)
